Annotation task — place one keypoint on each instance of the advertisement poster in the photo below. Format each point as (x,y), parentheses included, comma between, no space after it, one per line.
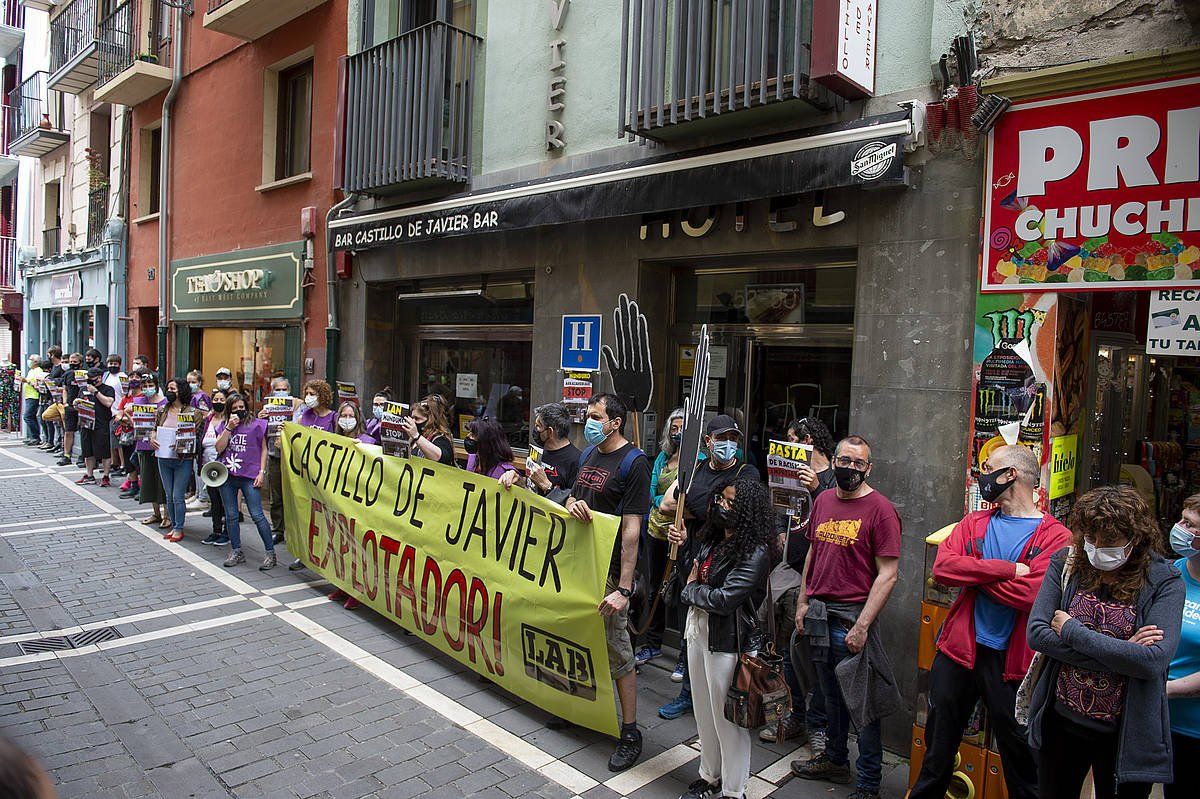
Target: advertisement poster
(144,418)
(185,434)
(1095,190)
(1064,463)
(502,581)
(392,437)
(1174,324)
(774,304)
(278,410)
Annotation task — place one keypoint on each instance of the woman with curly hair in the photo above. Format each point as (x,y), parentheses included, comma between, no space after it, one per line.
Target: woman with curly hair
(318,406)
(1107,620)
(727,583)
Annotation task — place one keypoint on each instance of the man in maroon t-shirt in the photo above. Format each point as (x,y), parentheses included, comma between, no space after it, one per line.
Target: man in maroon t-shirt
(852,567)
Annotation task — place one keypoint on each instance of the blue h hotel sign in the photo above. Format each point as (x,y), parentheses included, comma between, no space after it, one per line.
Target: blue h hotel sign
(581,342)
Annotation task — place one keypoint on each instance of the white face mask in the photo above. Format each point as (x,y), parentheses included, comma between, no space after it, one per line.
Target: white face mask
(223,384)
(310,400)
(1106,559)
(347,423)
(194,387)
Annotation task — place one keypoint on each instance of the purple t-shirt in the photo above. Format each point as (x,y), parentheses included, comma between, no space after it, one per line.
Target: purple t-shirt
(201,400)
(309,418)
(146,446)
(367,438)
(497,471)
(243,455)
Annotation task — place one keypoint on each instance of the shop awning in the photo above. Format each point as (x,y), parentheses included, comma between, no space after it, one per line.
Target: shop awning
(865,153)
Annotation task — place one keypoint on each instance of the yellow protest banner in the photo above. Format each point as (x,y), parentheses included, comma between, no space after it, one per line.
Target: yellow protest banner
(505,582)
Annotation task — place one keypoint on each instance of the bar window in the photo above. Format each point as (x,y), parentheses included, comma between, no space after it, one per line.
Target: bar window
(294,131)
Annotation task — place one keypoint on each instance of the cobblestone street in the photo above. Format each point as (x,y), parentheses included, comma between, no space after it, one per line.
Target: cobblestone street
(185,679)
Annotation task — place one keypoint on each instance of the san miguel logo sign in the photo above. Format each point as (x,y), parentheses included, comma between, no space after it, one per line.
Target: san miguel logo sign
(1096,190)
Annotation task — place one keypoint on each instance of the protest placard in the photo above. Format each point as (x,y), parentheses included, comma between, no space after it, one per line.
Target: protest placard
(185,434)
(788,494)
(392,438)
(278,410)
(87,413)
(347,392)
(144,419)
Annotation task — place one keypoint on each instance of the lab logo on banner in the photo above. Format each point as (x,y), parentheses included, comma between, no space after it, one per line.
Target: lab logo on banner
(581,342)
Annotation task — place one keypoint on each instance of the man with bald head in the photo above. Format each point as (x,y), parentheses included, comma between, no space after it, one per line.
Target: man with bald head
(998,558)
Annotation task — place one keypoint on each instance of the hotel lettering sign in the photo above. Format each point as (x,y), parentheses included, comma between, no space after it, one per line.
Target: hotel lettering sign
(262,283)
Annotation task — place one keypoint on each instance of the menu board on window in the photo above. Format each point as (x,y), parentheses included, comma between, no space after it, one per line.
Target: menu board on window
(278,410)
(185,434)
(144,417)
(392,437)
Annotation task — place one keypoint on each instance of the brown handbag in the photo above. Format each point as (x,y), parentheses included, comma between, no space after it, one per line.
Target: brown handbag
(759,695)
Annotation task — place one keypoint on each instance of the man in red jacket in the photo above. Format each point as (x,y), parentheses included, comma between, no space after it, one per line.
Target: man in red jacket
(998,558)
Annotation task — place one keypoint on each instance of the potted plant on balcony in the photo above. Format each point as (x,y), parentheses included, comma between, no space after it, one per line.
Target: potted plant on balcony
(97,175)
(149,58)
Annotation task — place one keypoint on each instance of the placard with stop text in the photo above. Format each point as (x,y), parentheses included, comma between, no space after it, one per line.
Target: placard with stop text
(501,580)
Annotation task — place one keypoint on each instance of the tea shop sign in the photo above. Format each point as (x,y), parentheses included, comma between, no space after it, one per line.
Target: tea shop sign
(262,283)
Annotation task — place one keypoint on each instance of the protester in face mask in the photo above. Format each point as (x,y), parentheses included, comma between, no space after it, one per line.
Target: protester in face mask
(719,469)
(70,414)
(555,474)
(123,424)
(225,379)
(378,402)
(173,469)
(350,424)
(429,429)
(725,586)
(488,450)
(317,409)
(1107,618)
(31,396)
(242,447)
(112,379)
(151,482)
(201,401)
(654,543)
(614,477)
(92,358)
(851,568)
(95,441)
(1183,680)
(214,420)
(280,387)
(998,558)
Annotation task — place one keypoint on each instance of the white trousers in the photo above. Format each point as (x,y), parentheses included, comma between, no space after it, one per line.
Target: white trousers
(724,746)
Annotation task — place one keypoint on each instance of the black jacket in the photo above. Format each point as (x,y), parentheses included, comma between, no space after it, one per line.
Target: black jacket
(736,585)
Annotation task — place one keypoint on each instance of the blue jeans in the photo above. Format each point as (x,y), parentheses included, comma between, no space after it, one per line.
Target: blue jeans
(174,473)
(33,429)
(870,743)
(229,498)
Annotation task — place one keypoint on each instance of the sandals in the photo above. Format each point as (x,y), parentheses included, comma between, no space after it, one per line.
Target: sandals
(175,537)
(165,524)
(152,520)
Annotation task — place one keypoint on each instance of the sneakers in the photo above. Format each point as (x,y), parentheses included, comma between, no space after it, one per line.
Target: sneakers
(268,562)
(646,654)
(128,484)
(793,730)
(63,462)
(680,706)
(680,668)
(105,482)
(131,492)
(195,503)
(86,480)
(235,558)
(296,565)
(702,789)
(215,540)
(629,749)
(822,768)
(339,595)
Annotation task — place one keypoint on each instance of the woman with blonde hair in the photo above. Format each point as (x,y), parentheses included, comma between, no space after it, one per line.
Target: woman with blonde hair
(429,429)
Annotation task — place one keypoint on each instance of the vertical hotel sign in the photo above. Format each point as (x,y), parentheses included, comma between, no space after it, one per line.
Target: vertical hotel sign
(1095,190)
(843,46)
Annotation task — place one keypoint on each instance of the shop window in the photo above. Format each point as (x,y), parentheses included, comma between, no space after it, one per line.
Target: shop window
(766,295)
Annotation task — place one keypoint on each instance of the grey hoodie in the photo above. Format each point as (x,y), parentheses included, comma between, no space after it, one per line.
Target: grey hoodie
(1144,737)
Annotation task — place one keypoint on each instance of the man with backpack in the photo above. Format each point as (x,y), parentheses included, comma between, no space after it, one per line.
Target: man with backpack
(614,478)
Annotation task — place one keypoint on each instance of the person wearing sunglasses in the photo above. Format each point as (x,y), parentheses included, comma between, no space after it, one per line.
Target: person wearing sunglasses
(1183,679)
(851,567)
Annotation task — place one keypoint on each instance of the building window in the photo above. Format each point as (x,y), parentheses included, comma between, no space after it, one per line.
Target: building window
(294,129)
(149,171)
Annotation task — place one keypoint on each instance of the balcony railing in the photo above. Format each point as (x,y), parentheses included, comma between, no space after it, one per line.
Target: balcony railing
(684,60)
(35,117)
(8,262)
(121,39)
(14,13)
(408,110)
(97,215)
(51,242)
(72,31)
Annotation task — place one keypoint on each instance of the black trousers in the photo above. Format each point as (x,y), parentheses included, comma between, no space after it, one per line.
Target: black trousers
(217,508)
(953,694)
(1069,751)
(1187,767)
(654,562)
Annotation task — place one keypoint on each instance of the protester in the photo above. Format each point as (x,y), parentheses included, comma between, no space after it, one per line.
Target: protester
(378,404)
(998,558)
(721,467)
(350,424)
(488,450)
(851,569)
(725,586)
(173,469)
(53,384)
(151,488)
(32,397)
(95,440)
(46,416)
(225,380)
(123,426)
(208,434)
(280,387)
(1108,619)
(112,379)
(554,475)
(654,545)
(428,426)
(70,414)
(318,406)
(201,401)
(1183,679)
(614,477)
(241,444)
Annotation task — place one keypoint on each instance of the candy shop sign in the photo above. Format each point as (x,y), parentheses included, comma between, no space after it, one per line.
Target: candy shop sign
(1098,190)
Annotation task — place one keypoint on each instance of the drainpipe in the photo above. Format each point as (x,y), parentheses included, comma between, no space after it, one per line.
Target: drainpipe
(332,331)
(164,179)
(117,239)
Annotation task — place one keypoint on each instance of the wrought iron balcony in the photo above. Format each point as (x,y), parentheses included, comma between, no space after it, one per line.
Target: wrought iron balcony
(73,47)
(688,60)
(51,242)
(251,19)
(35,118)
(12,28)
(134,47)
(97,215)
(408,110)
(8,263)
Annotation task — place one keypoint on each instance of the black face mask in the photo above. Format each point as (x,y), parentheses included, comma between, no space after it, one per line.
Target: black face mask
(470,445)
(171,396)
(420,427)
(76,366)
(721,516)
(990,487)
(676,439)
(239,412)
(112,370)
(218,406)
(848,478)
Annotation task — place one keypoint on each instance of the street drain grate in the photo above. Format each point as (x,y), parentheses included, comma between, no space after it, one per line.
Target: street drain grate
(58,643)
